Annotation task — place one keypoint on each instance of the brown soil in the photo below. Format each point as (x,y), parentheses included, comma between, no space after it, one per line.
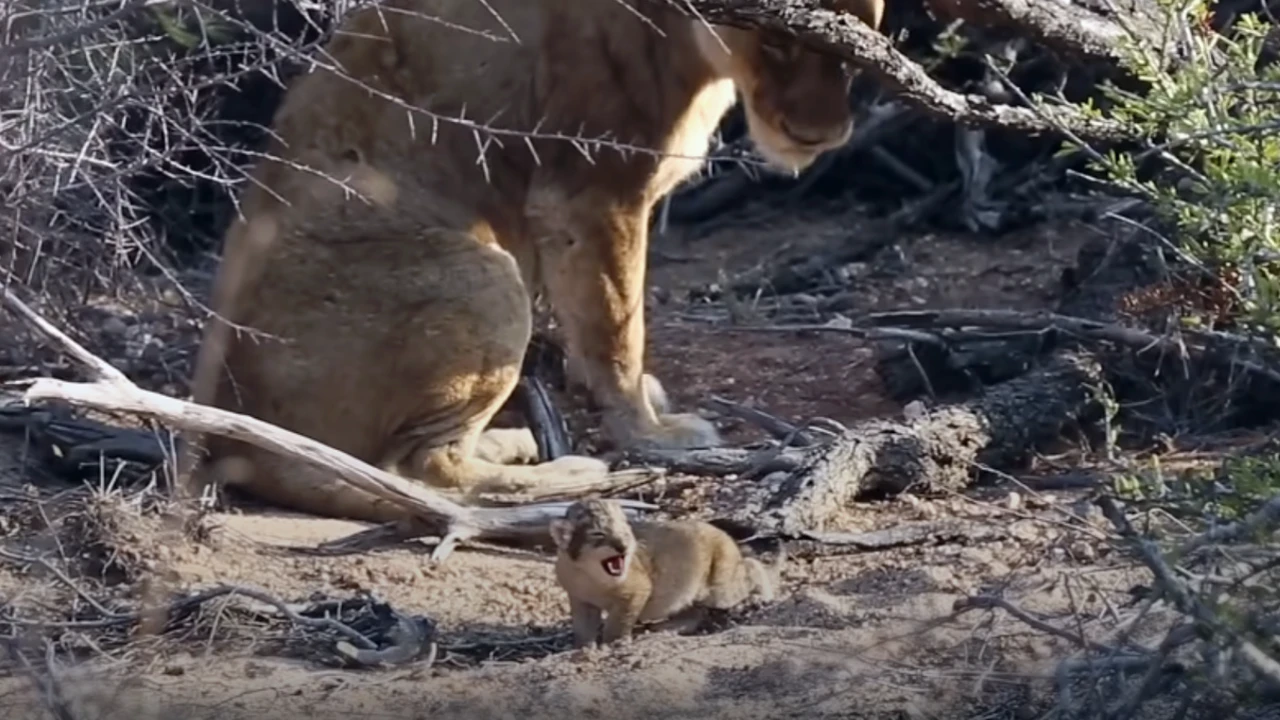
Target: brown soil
(855,635)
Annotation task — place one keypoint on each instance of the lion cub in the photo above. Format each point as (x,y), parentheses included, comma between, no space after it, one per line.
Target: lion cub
(649,571)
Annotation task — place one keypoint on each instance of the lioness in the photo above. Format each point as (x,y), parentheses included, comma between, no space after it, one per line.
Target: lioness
(395,308)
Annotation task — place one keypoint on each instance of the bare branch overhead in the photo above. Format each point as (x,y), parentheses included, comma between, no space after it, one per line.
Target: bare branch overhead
(853,40)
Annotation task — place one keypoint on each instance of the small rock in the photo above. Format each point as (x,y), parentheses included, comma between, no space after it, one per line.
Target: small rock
(998,568)
(1026,531)
(1088,512)
(113,325)
(942,577)
(1013,501)
(1084,551)
(914,410)
(977,555)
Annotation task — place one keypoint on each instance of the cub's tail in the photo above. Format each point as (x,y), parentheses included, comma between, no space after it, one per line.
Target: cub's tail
(763,556)
(765,569)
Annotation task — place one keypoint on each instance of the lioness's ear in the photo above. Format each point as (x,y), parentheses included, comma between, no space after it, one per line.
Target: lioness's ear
(868,11)
(561,532)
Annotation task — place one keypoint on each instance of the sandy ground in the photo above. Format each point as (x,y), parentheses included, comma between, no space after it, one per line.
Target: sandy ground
(860,634)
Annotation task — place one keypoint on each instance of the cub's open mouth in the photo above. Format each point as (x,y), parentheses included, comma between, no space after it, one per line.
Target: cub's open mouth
(613,565)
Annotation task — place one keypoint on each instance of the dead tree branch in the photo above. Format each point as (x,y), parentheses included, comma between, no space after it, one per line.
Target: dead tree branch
(1220,347)
(850,38)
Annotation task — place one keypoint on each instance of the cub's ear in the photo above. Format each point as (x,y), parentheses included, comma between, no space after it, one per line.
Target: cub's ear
(561,532)
(868,11)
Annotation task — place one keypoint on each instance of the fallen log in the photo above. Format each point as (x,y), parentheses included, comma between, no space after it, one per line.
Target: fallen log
(936,452)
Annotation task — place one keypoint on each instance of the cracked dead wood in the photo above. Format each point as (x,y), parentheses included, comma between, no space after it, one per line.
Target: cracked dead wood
(938,451)
(850,38)
(113,392)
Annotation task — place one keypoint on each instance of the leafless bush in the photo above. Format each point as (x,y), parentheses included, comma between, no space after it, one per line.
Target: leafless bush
(125,126)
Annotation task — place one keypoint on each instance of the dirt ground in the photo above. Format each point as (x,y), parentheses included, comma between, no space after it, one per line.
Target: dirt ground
(867,634)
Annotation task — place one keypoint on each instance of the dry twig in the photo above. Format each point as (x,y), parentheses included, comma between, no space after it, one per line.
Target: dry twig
(1176,591)
(409,638)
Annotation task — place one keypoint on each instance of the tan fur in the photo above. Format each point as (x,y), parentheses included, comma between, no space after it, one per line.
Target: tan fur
(396,309)
(670,569)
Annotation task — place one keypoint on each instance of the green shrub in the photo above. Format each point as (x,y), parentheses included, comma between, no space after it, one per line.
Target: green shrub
(1210,123)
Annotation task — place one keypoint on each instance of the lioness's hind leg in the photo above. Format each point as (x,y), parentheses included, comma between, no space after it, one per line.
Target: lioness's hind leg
(471,474)
(507,446)
(506,460)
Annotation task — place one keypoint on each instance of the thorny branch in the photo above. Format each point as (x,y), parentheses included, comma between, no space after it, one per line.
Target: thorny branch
(1176,591)
(1206,623)
(80,124)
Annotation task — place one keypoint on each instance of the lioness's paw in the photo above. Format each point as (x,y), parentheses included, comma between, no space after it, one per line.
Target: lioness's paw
(575,465)
(657,394)
(680,431)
